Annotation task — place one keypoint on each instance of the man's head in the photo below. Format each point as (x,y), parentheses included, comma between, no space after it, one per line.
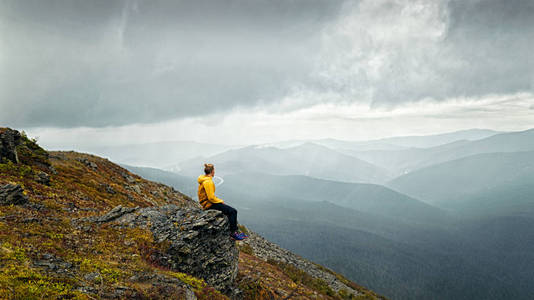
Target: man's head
(209,169)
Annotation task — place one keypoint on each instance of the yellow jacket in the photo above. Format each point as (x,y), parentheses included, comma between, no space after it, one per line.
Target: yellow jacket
(206,192)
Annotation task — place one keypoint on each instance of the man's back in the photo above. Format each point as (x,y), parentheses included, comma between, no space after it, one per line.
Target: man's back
(206,192)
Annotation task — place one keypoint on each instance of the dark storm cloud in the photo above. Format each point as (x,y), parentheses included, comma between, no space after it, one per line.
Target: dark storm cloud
(400,52)
(486,48)
(495,40)
(99,63)
(105,63)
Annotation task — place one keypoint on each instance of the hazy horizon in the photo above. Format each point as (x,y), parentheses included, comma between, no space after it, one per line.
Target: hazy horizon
(62,145)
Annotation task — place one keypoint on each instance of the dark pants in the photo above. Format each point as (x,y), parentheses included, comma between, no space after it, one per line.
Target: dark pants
(229,211)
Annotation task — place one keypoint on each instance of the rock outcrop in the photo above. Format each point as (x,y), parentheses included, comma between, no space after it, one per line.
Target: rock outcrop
(9,140)
(88,163)
(17,148)
(197,241)
(43,178)
(12,194)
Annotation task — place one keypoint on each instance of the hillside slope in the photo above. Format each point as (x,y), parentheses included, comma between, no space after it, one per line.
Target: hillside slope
(74,225)
(500,181)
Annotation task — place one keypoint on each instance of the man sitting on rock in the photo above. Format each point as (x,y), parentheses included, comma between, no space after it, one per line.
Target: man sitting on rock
(208,200)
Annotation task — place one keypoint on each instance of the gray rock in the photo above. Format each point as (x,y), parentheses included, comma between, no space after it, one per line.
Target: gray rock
(129,178)
(35,206)
(88,163)
(53,170)
(108,188)
(12,194)
(30,220)
(198,241)
(130,197)
(87,289)
(113,214)
(134,188)
(93,276)
(54,264)
(190,295)
(43,178)
(9,140)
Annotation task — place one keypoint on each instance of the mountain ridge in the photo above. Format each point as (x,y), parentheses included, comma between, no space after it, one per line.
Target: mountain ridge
(307,159)
(443,184)
(400,162)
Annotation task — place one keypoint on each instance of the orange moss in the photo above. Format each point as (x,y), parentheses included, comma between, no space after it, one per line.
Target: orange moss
(76,191)
(261,280)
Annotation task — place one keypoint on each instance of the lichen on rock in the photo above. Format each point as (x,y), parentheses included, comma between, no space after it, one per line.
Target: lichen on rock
(196,242)
(12,194)
(9,140)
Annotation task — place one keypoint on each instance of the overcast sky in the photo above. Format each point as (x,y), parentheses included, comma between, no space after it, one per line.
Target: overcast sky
(251,71)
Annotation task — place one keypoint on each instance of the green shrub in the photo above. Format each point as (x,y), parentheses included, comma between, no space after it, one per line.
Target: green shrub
(299,276)
(245,248)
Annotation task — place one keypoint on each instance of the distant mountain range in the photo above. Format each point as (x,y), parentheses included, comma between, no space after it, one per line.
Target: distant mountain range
(371,166)
(437,217)
(394,143)
(368,198)
(184,184)
(426,141)
(307,159)
(479,182)
(408,160)
(168,155)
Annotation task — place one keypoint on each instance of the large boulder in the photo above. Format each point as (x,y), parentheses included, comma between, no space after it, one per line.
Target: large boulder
(9,140)
(198,241)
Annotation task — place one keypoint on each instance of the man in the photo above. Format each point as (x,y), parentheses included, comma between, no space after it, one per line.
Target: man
(208,200)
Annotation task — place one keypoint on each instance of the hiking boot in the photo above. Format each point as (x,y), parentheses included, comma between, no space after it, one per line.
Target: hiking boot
(238,236)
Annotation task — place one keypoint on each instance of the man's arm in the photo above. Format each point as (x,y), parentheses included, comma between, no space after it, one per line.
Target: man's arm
(210,192)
